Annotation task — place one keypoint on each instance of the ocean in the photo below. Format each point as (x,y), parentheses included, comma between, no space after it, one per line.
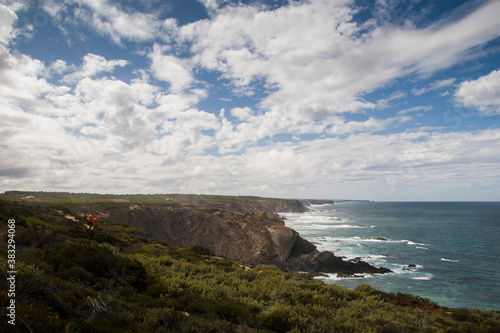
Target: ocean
(446,251)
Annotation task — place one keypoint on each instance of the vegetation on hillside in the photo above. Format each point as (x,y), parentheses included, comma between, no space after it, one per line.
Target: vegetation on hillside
(117,279)
(142,199)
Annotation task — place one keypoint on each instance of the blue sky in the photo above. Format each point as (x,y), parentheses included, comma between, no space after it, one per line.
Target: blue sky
(379,100)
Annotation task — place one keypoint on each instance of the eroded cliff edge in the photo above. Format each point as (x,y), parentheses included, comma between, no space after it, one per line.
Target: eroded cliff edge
(249,238)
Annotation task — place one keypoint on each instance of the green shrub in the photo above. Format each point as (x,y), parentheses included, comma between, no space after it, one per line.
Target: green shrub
(112,322)
(33,221)
(38,236)
(226,265)
(276,321)
(161,320)
(201,250)
(88,256)
(76,274)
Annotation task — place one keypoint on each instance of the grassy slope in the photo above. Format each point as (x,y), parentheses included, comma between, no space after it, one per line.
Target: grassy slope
(116,279)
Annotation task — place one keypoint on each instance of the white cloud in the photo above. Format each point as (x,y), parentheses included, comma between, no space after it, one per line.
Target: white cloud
(415,109)
(213,5)
(60,67)
(118,111)
(109,20)
(7,18)
(279,164)
(318,63)
(172,105)
(22,82)
(184,136)
(436,85)
(370,125)
(483,93)
(365,166)
(92,65)
(384,102)
(245,113)
(171,69)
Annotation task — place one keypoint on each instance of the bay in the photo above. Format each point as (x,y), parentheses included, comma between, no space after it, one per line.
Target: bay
(446,251)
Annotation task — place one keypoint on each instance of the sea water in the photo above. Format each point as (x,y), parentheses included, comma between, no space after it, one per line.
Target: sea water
(448,252)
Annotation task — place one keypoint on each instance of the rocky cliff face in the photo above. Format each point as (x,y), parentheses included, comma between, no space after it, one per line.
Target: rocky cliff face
(248,238)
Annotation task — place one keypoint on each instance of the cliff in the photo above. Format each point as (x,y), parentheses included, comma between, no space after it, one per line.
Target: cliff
(249,238)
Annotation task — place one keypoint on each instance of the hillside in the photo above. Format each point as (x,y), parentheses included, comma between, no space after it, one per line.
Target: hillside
(117,278)
(240,204)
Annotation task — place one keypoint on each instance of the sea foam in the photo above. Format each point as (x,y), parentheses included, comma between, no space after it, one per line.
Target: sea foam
(449,260)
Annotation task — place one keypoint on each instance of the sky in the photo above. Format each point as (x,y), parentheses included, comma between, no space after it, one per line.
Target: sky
(384,100)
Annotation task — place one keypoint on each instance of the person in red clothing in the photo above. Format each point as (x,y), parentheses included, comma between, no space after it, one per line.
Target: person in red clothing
(90,219)
(95,222)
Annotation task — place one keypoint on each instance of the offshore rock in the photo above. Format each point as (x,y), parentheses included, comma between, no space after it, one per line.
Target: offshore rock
(327,262)
(250,238)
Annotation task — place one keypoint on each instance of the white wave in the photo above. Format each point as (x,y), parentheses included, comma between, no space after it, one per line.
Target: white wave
(421,247)
(449,260)
(426,277)
(399,269)
(327,220)
(377,256)
(312,227)
(336,277)
(413,243)
(329,277)
(335,226)
(384,240)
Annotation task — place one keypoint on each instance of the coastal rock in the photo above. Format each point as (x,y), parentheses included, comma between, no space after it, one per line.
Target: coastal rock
(249,238)
(327,262)
(410,267)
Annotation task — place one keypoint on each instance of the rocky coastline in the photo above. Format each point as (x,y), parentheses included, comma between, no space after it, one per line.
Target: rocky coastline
(249,238)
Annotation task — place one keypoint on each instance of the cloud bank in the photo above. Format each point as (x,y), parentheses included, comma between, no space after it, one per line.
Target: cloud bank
(311,106)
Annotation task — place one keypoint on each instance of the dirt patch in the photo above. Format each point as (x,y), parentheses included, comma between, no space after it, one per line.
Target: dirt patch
(69,217)
(103,215)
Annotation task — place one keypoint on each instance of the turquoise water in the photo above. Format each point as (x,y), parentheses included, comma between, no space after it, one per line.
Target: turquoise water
(453,248)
